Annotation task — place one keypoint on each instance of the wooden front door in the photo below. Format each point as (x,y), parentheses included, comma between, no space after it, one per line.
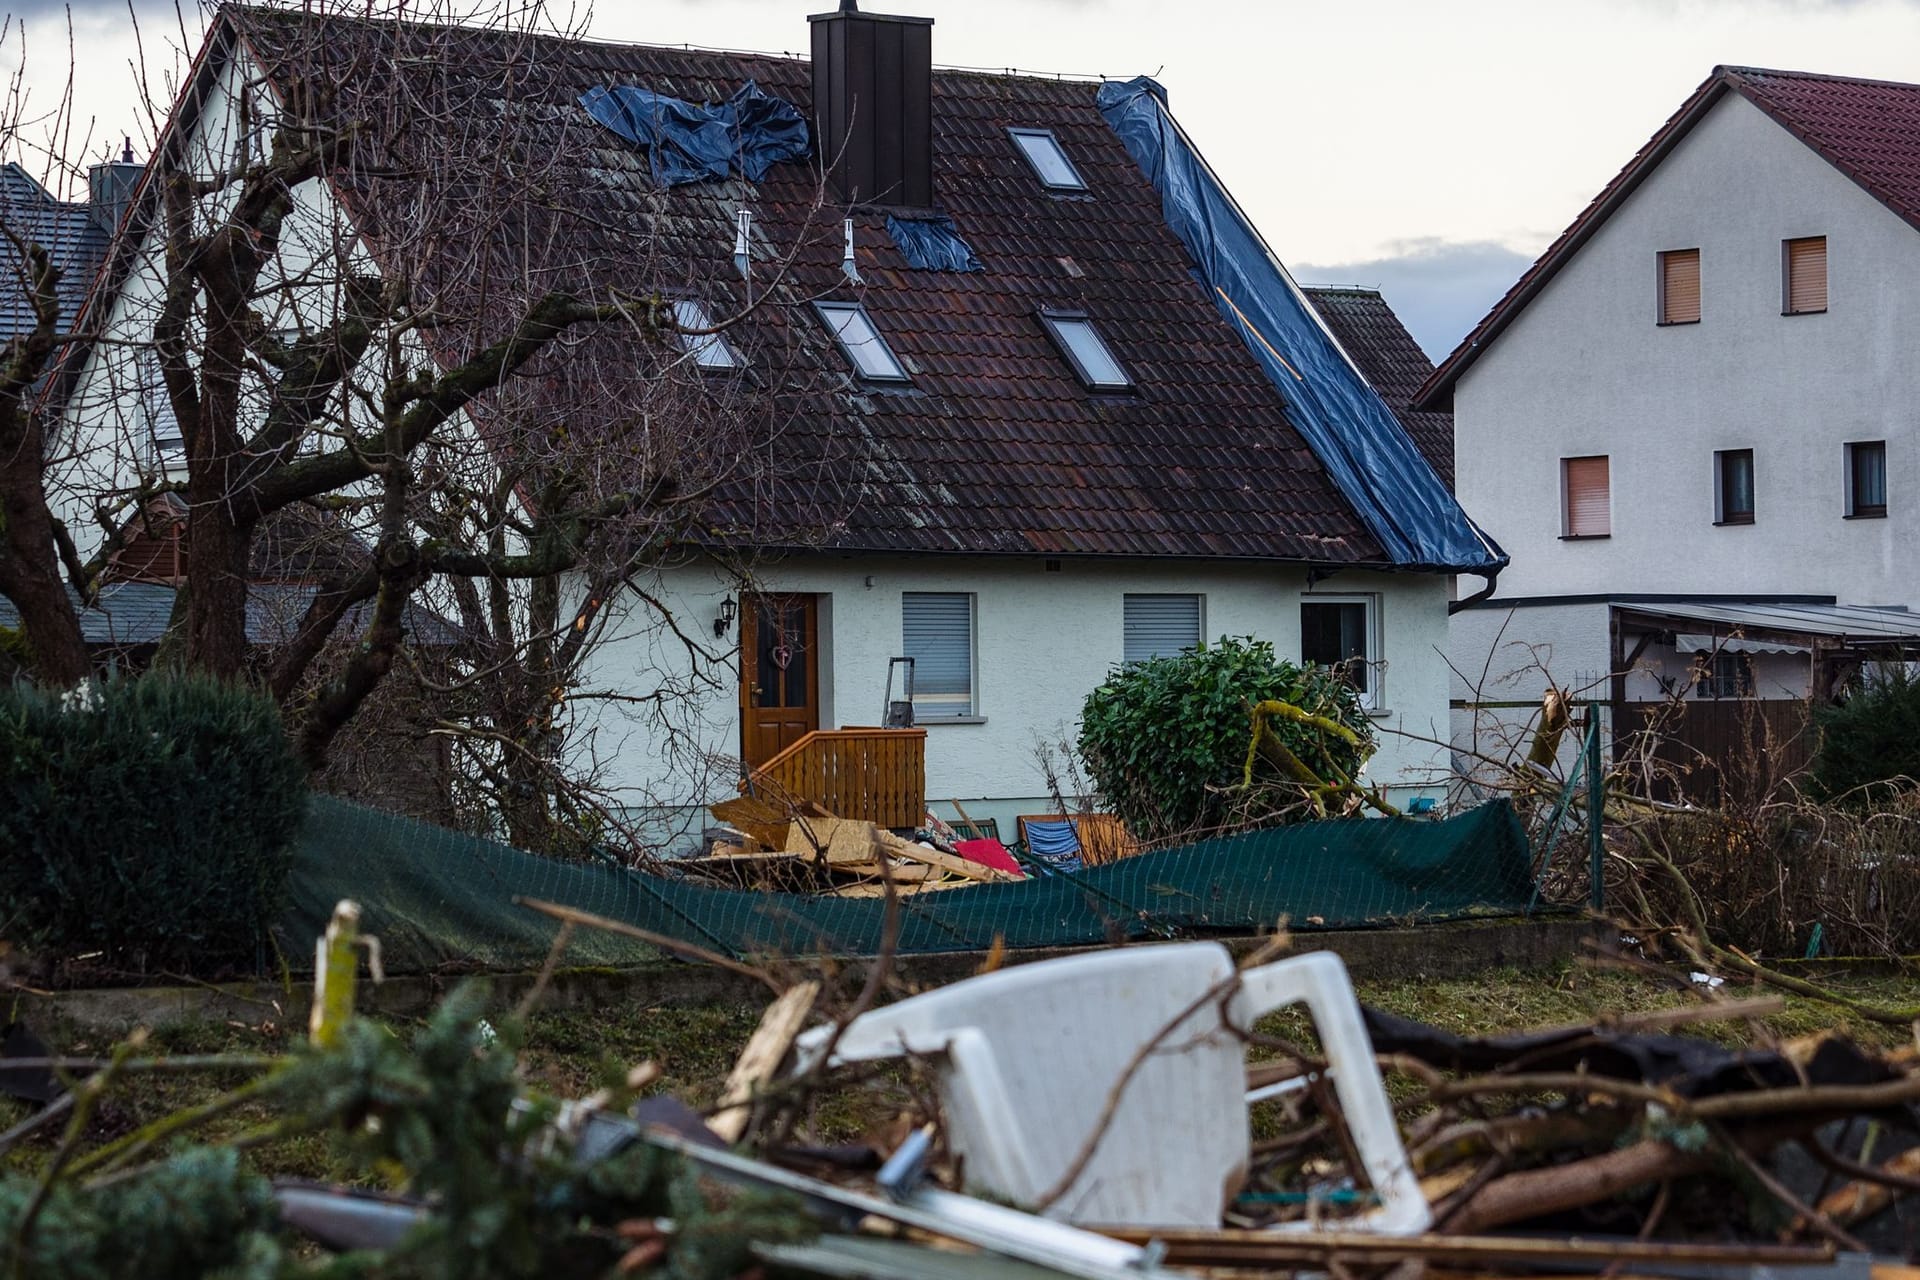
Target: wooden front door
(779,674)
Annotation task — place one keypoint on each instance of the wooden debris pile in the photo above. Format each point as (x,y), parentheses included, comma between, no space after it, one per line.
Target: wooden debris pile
(801,848)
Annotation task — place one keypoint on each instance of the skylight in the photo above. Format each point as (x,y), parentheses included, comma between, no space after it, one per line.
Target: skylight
(1087,350)
(854,331)
(1049,162)
(709,350)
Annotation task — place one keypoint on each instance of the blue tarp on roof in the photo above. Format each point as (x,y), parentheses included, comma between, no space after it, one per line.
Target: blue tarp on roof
(692,142)
(932,244)
(1363,447)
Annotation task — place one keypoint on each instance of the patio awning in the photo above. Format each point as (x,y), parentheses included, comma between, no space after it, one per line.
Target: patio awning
(1764,627)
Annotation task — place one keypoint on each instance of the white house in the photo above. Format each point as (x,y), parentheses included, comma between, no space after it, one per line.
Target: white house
(1692,421)
(1066,408)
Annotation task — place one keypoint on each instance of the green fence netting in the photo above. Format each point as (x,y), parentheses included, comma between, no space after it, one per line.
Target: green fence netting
(439,898)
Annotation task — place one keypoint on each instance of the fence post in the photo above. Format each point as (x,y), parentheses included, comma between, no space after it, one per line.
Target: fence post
(1596,814)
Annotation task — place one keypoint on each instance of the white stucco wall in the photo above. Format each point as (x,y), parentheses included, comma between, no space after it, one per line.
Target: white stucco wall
(1586,370)
(1043,639)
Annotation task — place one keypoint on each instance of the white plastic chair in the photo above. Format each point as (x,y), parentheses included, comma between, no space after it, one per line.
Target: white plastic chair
(1028,1056)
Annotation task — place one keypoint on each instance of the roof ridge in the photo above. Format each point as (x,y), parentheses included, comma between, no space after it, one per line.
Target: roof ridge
(1825,76)
(610,42)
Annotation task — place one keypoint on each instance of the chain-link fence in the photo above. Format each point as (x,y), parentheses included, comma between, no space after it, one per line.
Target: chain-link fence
(438,898)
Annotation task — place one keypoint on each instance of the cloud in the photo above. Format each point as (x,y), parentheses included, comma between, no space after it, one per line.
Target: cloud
(1439,288)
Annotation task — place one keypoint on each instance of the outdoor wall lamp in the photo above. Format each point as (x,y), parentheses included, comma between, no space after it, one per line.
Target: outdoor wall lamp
(728,612)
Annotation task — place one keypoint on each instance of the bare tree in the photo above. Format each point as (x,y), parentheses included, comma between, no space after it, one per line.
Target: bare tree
(360,304)
(33,138)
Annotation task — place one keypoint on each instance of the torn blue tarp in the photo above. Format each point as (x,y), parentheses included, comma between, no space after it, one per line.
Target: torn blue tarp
(692,142)
(1363,447)
(932,244)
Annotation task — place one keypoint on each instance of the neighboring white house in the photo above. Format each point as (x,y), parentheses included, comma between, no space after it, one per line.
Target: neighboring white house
(1693,421)
(1077,435)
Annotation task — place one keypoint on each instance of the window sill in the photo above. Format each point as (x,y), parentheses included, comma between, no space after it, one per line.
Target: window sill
(1865,515)
(1674,324)
(1822,311)
(934,721)
(1585,537)
(1378,713)
(1737,520)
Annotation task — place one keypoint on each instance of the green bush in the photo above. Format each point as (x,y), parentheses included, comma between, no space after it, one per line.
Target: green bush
(148,819)
(1873,737)
(1165,741)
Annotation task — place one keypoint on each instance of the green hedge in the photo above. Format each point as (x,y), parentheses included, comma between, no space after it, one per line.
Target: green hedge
(1166,740)
(149,820)
(1871,742)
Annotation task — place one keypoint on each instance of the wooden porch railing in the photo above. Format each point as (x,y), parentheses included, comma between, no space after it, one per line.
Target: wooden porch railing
(875,775)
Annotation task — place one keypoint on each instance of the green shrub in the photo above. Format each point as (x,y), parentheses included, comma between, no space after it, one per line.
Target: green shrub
(146,819)
(1873,737)
(1165,741)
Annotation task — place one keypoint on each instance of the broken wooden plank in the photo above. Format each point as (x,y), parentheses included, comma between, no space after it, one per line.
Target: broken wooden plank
(1255,1248)
(841,840)
(763,820)
(945,861)
(758,1062)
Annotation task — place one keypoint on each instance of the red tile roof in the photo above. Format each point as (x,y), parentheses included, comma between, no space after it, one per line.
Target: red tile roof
(1392,361)
(996,448)
(1867,129)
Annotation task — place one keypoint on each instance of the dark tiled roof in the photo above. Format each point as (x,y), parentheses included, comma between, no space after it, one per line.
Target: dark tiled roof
(134,615)
(66,231)
(1867,129)
(1392,361)
(996,448)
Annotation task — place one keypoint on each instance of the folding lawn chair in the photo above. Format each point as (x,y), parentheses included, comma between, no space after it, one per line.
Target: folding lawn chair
(1027,1059)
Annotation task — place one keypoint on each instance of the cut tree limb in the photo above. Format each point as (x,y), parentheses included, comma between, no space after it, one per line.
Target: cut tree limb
(779,1026)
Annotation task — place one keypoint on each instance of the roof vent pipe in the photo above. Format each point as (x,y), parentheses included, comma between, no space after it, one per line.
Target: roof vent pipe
(873,105)
(848,267)
(743,243)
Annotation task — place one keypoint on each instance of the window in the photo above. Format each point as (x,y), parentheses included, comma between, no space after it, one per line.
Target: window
(1733,486)
(1086,350)
(1159,626)
(862,343)
(1804,276)
(1723,675)
(1866,479)
(1050,163)
(169,457)
(709,350)
(1586,498)
(937,631)
(1680,286)
(1340,631)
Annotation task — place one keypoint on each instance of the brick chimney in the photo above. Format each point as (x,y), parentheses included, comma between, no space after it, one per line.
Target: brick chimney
(873,105)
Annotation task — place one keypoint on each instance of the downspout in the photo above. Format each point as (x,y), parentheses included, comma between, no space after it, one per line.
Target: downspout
(1493,579)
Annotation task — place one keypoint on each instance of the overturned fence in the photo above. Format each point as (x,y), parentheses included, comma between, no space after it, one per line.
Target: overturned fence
(441,899)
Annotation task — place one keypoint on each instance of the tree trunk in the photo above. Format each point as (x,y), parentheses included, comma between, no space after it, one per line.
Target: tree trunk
(30,573)
(218,549)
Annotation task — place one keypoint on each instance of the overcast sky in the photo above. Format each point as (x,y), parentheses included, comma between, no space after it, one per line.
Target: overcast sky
(1431,149)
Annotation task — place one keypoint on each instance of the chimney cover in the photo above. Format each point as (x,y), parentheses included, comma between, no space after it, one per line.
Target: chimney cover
(873,105)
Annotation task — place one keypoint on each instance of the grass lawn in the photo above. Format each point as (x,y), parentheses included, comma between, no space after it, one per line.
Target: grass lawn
(570,1051)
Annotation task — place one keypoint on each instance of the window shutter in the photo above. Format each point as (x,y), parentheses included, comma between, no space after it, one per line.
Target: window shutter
(1587,496)
(1807,275)
(1679,286)
(938,636)
(1159,626)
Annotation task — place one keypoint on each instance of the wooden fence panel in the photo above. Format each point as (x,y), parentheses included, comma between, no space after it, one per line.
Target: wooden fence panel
(876,775)
(1719,751)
